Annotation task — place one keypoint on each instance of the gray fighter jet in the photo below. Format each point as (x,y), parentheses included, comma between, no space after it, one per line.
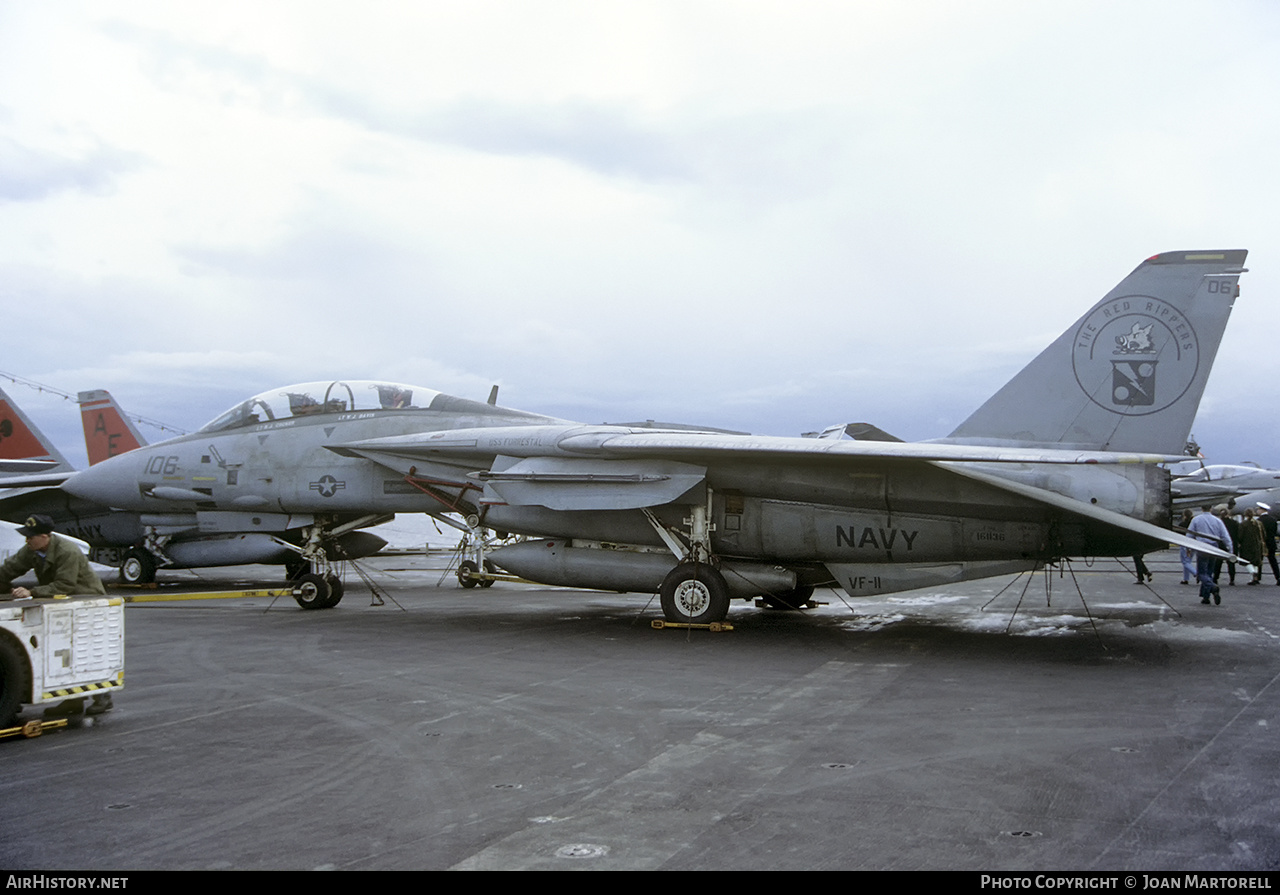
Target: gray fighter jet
(111,531)
(137,542)
(1248,486)
(1061,462)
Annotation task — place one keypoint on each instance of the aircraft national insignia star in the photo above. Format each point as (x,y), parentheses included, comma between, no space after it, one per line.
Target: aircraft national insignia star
(328,486)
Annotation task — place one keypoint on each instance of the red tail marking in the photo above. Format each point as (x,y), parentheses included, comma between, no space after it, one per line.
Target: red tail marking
(106,433)
(17,442)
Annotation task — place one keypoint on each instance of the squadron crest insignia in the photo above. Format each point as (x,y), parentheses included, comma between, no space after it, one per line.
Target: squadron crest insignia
(1135,355)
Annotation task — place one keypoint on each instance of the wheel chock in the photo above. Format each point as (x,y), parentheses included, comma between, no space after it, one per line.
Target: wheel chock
(32,729)
(715,627)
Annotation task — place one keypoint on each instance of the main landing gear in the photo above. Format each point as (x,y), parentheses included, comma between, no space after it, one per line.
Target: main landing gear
(694,593)
(315,579)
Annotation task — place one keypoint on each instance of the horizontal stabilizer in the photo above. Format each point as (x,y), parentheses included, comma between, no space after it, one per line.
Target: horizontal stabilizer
(21,440)
(858,432)
(1091,511)
(20,467)
(51,479)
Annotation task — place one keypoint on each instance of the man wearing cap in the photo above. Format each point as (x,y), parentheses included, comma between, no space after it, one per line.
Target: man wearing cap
(60,566)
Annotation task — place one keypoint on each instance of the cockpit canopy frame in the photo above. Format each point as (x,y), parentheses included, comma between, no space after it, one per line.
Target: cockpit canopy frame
(323,397)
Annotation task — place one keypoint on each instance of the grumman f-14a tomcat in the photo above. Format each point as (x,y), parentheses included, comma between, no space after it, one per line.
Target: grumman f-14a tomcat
(1244,487)
(139,542)
(1062,461)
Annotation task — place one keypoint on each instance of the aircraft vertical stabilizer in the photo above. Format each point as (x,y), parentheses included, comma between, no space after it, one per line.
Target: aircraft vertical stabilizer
(21,440)
(107,431)
(1128,376)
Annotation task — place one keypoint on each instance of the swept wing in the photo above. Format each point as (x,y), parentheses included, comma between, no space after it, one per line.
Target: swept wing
(594,467)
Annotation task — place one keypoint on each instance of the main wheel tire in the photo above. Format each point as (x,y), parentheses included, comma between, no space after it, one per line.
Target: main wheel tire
(15,681)
(489,569)
(139,567)
(695,594)
(335,591)
(796,598)
(312,592)
(467,573)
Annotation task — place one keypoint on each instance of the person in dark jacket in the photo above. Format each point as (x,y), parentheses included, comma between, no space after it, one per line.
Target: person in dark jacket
(1251,540)
(1269,531)
(1223,512)
(59,565)
(1187,556)
(60,569)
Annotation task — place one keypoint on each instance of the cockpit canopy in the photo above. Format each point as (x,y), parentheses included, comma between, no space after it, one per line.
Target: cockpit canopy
(314,398)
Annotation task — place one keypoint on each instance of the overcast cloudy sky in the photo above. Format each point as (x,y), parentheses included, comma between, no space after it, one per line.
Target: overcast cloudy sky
(764,216)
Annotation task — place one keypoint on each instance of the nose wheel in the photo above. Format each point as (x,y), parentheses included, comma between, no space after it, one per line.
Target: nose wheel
(314,591)
(469,574)
(139,567)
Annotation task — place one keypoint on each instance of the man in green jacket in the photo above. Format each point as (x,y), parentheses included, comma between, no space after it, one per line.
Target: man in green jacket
(61,569)
(60,566)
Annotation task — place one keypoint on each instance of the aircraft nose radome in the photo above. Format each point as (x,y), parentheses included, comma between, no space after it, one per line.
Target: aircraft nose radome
(99,484)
